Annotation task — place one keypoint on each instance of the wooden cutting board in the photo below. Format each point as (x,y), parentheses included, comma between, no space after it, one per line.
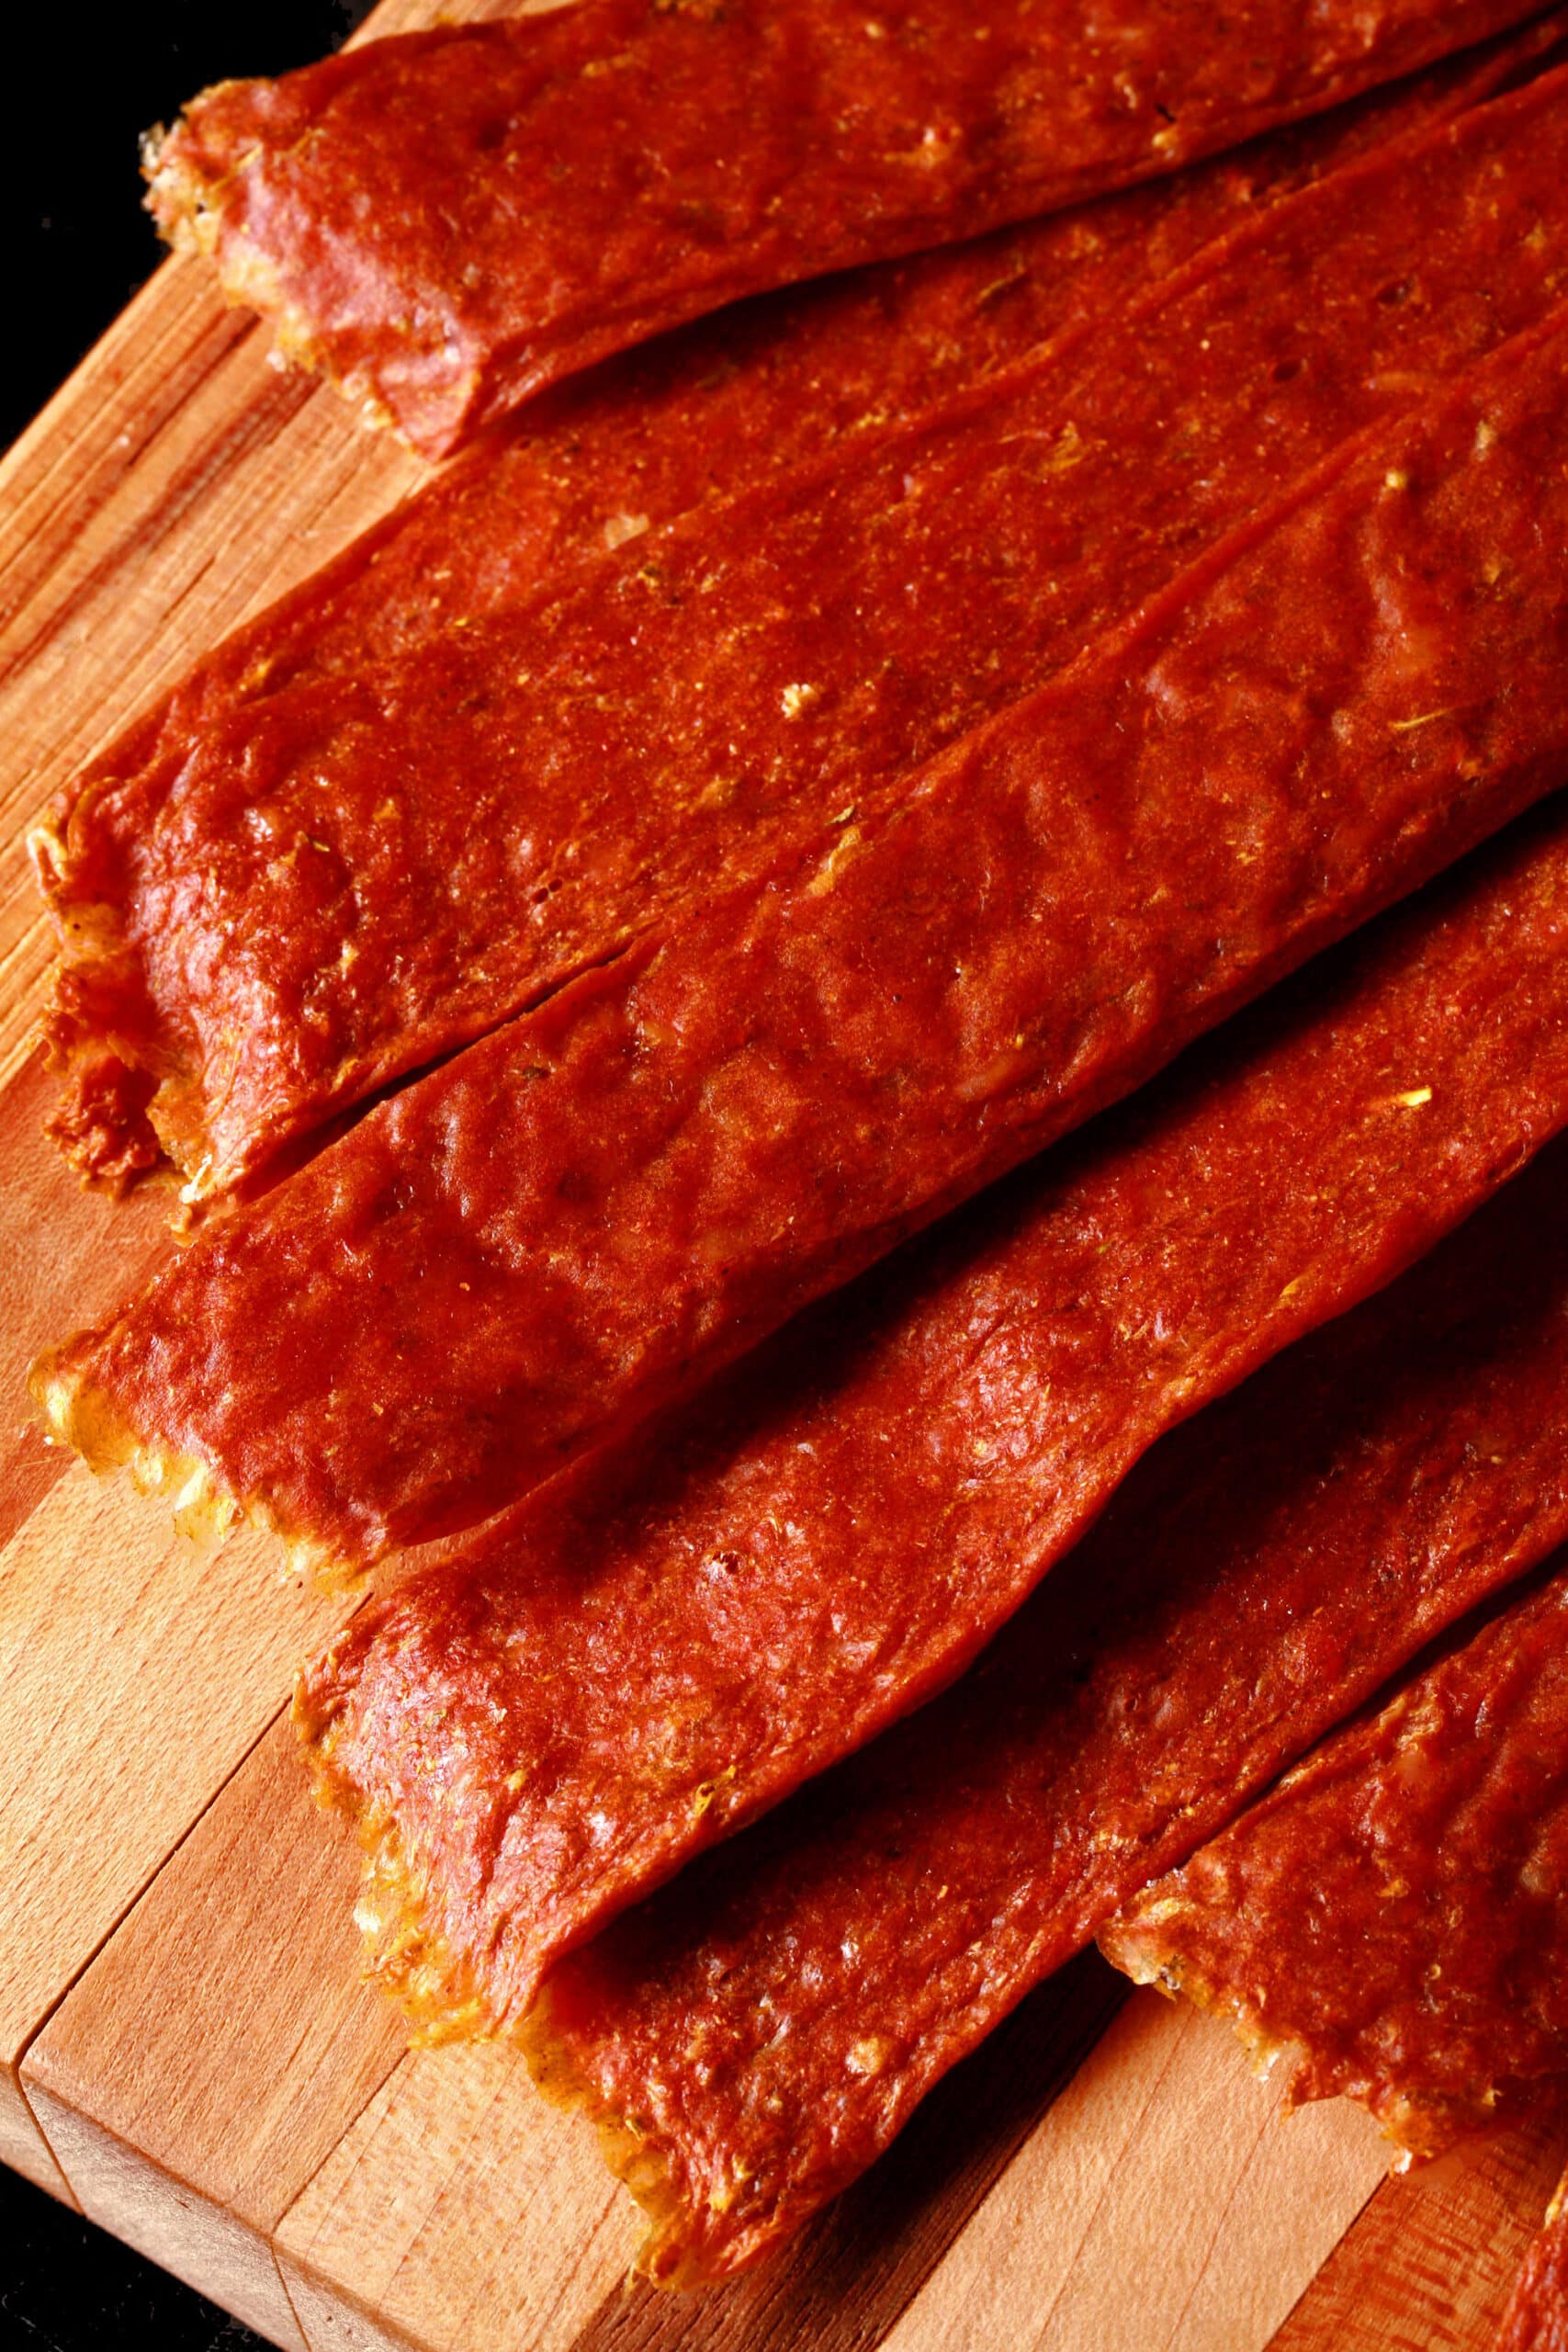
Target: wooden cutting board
(189,2051)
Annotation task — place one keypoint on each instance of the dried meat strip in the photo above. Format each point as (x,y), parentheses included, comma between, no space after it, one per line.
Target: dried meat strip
(1536,2316)
(447,222)
(780,379)
(569,1224)
(755,2035)
(601,1684)
(643,440)
(1389,1921)
(272,910)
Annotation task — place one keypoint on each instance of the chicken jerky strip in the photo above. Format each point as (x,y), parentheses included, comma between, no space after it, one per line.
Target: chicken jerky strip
(769,387)
(447,222)
(573,1222)
(277,911)
(753,2037)
(1389,1921)
(714,406)
(607,1681)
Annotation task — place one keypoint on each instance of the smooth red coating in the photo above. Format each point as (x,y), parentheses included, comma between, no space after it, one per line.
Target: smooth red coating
(1536,2316)
(571,1223)
(289,904)
(613,1677)
(1393,1917)
(447,221)
(761,2029)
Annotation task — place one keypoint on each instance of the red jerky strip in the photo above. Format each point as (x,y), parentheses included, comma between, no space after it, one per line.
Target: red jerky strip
(1388,1921)
(282,912)
(278,913)
(1536,2316)
(722,404)
(447,221)
(574,1221)
(759,2032)
(622,1672)
(725,403)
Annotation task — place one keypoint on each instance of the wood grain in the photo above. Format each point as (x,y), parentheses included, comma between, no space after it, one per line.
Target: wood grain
(135,1673)
(1430,2260)
(460,2212)
(1106,2231)
(225,2036)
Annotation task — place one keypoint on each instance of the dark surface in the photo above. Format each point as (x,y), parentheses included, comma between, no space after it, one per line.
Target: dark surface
(64,2287)
(78,242)
(78,245)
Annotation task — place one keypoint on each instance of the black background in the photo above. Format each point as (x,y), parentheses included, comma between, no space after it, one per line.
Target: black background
(77,241)
(77,244)
(64,2287)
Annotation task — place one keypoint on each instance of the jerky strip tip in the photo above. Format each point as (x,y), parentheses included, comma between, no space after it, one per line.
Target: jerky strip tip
(1130,1946)
(186,200)
(406,1956)
(1393,1902)
(1138,1948)
(1418,2129)
(126,1106)
(183,199)
(1137,1945)
(670,2254)
(76,1412)
(404,1953)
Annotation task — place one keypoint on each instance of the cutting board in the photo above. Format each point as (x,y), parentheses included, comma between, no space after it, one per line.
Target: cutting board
(190,2054)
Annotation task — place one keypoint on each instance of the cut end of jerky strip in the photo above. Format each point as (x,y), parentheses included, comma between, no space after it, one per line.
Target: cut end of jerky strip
(191,201)
(76,1413)
(672,2253)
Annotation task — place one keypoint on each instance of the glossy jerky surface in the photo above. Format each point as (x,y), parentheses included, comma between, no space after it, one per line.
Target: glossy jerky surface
(642,440)
(1536,2316)
(613,1677)
(1392,1918)
(757,2033)
(291,903)
(572,1222)
(775,384)
(447,221)
(778,382)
